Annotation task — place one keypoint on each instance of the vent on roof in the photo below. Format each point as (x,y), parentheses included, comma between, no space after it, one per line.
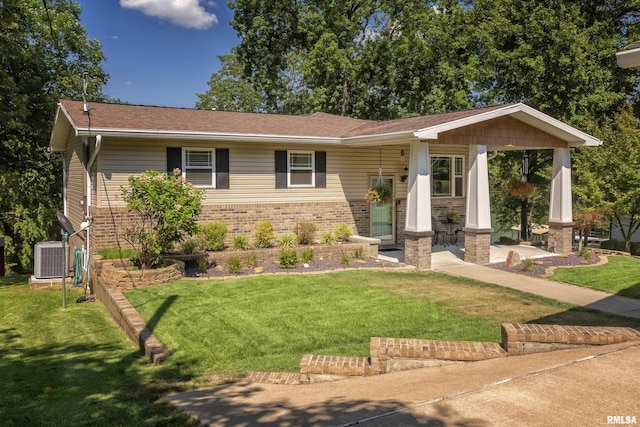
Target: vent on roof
(48,260)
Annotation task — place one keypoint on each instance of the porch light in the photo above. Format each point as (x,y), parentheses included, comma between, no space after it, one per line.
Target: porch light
(405,174)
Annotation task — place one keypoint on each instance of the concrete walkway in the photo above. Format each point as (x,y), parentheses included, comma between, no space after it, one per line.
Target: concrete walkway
(448,262)
(581,386)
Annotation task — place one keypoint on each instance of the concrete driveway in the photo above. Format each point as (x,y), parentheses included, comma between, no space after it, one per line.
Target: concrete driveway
(578,387)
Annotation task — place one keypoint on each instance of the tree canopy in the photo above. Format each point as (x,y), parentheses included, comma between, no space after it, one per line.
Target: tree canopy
(43,53)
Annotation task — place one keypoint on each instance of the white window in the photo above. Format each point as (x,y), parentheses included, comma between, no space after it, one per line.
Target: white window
(301,168)
(447,176)
(197,167)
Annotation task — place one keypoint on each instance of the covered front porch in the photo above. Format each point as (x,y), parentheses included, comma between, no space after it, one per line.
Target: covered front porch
(513,127)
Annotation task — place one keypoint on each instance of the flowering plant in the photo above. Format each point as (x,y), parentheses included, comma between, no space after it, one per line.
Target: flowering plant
(379,193)
(520,190)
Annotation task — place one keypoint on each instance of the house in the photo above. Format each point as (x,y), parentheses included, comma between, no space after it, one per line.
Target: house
(318,166)
(630,56)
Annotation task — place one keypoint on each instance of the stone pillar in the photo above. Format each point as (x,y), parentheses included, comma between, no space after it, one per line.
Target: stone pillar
(477,246)
(418,233)
(417,249)
(560,237)
(477,236)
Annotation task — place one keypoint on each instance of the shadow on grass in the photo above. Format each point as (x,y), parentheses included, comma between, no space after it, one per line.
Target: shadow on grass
(80,384)
(252,405)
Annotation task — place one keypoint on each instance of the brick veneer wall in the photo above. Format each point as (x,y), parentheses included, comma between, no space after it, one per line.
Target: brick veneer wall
(562,235)
(109,223)
(477,247)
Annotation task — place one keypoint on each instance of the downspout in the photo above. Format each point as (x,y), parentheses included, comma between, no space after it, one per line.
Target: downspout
(90,163)
(493,155)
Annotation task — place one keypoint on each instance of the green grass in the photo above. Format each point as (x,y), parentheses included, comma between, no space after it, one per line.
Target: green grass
(117,253)
(269,322)
(72,366)
(621,275)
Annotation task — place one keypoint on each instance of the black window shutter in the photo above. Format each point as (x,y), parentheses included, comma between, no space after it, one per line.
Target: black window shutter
(281,169)
(174,159)
(321,169)
(222,168)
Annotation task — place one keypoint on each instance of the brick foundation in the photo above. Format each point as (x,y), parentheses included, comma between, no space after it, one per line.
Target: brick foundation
(417,249)
(562,235)
(477,245)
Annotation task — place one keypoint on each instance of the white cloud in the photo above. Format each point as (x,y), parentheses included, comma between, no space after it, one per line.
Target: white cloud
(113,37)
(186,13)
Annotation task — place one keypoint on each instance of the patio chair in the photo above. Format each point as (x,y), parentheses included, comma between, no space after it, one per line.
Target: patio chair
(459,229)
(438,233)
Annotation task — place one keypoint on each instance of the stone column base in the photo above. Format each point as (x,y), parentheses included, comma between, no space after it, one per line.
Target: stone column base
(560,237)
(417,249)
(477,245)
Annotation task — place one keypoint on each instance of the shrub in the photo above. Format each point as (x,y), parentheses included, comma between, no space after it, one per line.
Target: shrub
(307,255)
(116,253)
(166,208)
(305,231)
(342,232)
(189,246)
(251,260)
(213,234)
(234,265)
(288,258)
(287,241)
(329,239)
(527,264)
(240,243)
(344,258)
(635,248)
(585,253)
(263,234)
(358,252)
(202,265)
(504,240)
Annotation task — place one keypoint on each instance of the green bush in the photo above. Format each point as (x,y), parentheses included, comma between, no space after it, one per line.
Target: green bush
(288,258)
(287,241)
(263,234)
(307,255)
(189,246)
(342,232)
(202,265)
(358,252)
(613,244)
(213,235)
(635,248)
(305,231)
(240,243)
(585,253)
(329,239)
(527,264)
(165,209)
(234,265)
(251,260)
(504,240)
(116,253)
(344,258)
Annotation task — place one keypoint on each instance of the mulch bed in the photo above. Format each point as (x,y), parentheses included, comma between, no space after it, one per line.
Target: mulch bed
(540,265)
(316,266)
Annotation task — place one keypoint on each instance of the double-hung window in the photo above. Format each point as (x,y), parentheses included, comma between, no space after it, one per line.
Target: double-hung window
(447,176)
(198,167)
(301,168)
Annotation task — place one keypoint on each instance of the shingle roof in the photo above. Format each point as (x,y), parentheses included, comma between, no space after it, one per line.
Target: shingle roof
(147,118)
(634,45)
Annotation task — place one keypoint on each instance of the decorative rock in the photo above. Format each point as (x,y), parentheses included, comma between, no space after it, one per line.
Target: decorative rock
(305,265)
(218,268)
(258,270)
(513,259)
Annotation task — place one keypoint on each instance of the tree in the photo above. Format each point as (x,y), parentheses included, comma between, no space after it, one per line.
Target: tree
(44,51)
(609,176)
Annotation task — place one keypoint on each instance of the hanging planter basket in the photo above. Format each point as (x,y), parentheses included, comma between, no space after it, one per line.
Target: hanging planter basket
(379,194)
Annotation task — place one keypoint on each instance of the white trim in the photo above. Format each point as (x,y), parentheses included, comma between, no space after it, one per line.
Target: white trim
(628,58)
(312,169)
(452,175)
(522,112)
(213,165)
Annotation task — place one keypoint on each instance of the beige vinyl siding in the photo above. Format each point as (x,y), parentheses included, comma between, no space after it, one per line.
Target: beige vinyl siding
(75,182)
(252,170)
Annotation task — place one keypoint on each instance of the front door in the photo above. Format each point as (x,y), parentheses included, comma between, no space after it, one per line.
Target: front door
(382,215)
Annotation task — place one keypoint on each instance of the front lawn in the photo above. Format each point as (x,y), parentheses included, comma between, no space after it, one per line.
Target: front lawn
(73,366)
(269,322)
(621,275)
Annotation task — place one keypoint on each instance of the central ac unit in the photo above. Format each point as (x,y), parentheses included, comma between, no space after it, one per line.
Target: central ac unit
(48,263)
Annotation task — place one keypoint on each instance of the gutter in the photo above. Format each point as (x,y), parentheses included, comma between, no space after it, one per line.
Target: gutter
(90,163)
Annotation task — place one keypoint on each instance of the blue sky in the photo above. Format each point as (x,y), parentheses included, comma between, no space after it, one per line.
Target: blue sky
(159,52)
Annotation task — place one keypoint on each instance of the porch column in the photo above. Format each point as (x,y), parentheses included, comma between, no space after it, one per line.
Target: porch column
(477,237)
(561,223)
(418,232)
